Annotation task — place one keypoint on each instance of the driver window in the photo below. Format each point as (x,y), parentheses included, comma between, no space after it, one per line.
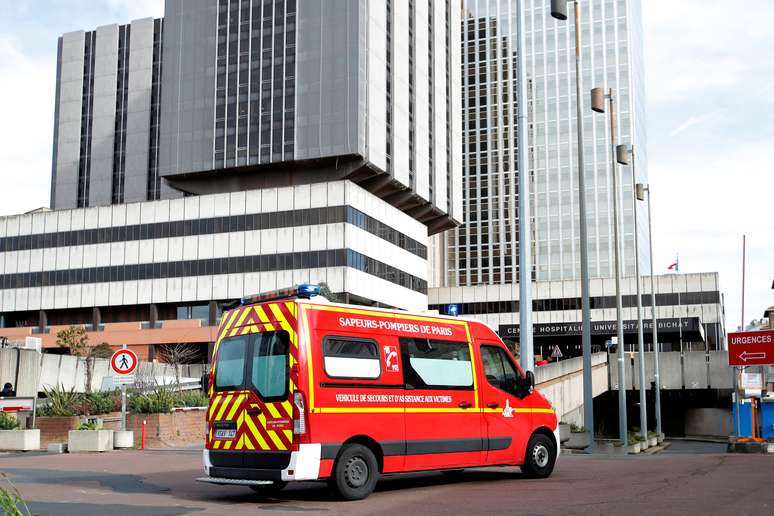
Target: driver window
(498,369)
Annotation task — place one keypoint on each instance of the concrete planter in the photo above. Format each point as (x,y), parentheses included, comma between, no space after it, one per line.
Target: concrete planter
(634,448)
(643,445)
(564,433)
(652,441)
(660,437)
(123,439)
(578,441)
(89,441)
(19,440)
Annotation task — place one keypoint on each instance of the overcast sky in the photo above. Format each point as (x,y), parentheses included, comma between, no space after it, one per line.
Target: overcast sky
(710,105)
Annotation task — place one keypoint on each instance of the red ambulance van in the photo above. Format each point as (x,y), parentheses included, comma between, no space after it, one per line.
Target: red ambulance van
(305,389)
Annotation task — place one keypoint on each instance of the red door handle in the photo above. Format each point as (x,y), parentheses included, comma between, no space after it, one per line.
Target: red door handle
(493,405)
(465,404)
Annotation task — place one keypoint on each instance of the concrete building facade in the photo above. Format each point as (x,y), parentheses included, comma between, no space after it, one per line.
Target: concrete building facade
(233,95)
(689,308)
(485,249)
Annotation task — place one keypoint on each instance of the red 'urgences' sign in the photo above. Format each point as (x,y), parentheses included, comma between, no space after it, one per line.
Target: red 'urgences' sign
(751,348)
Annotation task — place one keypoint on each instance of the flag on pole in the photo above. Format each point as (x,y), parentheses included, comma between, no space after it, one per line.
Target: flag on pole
(675,266)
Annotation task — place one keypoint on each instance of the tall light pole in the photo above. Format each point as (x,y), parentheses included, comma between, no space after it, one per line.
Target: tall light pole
(626,157)
(525,227)
(598,97)
(641,189)
(559,11)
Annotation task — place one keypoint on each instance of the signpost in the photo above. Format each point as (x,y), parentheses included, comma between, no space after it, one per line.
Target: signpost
(751,348)
(123,364)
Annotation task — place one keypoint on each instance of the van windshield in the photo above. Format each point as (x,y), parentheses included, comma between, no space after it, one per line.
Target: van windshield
(256,362)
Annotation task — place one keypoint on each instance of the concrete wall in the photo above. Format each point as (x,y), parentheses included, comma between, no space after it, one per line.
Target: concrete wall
(691,370)
(562,384)
(708,421)
(43,371)
(25,383)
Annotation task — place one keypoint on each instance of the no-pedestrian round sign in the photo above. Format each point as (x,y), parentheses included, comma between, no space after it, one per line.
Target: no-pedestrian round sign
(123,362)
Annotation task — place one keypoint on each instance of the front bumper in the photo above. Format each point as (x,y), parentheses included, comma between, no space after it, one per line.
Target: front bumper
(304,465)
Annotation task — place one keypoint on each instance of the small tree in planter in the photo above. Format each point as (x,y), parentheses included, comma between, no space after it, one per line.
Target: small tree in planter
(89,437)
(14,439)
(635,443)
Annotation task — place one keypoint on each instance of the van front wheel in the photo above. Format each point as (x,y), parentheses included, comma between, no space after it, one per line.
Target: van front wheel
(355,473)
(540,457)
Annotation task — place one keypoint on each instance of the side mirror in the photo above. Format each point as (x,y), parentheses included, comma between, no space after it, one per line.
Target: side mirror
(526,384)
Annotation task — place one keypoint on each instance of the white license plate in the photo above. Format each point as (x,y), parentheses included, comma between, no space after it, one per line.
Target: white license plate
(225,434)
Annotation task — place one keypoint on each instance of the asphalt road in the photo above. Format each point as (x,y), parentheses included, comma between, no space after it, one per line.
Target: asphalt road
(692,478)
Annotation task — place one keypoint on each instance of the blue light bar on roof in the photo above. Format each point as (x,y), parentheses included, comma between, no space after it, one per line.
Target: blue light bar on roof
(305,291)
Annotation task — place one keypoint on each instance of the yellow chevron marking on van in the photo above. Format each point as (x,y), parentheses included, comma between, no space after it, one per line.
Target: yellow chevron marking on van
(256,434)
(235,406)
(241,320)
(274,437)
(274,412)
(223,407)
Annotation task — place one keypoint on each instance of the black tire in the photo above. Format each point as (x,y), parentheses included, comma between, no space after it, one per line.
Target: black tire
(355,472)
(540,457)
(269,489)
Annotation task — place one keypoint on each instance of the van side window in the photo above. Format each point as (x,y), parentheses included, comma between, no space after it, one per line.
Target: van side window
(498,369)
(349,357)
(436,364)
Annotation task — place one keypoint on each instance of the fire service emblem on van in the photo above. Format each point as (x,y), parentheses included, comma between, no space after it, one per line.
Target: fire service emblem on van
(508,410)
(391,359)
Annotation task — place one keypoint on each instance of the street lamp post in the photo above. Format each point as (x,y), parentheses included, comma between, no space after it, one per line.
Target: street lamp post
(625,156)
(598,97)
(525,227)
(641,189)
(559,11)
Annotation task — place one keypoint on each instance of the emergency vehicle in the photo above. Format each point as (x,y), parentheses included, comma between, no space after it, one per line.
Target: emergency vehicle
(305,389)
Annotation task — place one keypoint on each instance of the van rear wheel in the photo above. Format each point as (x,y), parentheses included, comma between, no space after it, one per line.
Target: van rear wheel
(540,457)
(355,472)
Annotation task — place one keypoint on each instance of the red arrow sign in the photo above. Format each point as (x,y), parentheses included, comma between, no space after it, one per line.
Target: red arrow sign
(751,348)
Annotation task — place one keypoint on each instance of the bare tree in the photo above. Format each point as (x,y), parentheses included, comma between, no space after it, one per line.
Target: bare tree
(176,355)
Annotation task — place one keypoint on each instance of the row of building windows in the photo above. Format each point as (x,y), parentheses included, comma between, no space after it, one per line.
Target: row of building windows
(154,178)
(214,266)
(574,303)
(87,106)
(251,222)
(255,82)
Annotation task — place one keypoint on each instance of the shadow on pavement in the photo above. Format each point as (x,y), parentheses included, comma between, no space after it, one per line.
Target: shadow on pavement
(318,491)
(120,483)
(93,509)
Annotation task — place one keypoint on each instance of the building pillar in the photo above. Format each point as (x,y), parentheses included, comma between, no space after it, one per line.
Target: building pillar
(42,322)
(153,317)
(212,315)
(96,318)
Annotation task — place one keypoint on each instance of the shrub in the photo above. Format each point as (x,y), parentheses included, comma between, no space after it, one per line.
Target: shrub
(61,402)
(577,429)
(89,425)
(11,501)
(192,399)
(160,401)
(101,402)
(8,422)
